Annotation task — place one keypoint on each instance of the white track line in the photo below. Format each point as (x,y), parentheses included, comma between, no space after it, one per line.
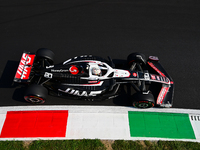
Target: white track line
(97,109)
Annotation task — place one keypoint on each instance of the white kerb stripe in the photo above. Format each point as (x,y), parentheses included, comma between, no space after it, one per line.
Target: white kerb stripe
(2,120)
(97,125)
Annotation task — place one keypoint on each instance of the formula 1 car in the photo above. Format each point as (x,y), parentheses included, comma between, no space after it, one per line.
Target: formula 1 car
(93,78)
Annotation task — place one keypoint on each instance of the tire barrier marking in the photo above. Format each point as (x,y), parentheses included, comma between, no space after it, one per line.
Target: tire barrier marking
(163,125)
(44,123)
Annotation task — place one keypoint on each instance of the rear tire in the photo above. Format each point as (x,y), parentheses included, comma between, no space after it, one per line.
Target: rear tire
(45,54)
(143,100)
(36,94)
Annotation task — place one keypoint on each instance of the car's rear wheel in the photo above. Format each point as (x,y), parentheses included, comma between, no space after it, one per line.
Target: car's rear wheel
(36,94)
(44,54)
(140,100)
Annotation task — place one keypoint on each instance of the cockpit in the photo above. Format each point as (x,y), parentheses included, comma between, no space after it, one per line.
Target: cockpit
(97,69)
(90,68)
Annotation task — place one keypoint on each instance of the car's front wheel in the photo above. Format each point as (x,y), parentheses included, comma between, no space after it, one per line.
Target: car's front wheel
(137,58)
(140,100)
(36,94)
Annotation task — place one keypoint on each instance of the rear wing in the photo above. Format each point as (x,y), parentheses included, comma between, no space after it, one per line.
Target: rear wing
(24,68)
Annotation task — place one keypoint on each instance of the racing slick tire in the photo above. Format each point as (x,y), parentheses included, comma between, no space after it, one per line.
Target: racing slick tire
(143,100)
(44,53)
(136,57)
(36,94)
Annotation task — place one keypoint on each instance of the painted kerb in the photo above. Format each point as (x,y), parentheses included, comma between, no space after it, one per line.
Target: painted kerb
(162,125)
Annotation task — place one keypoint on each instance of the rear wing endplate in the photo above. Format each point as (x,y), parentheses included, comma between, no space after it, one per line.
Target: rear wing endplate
(24,68)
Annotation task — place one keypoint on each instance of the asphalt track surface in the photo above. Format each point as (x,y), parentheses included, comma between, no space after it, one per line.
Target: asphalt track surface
(169,29)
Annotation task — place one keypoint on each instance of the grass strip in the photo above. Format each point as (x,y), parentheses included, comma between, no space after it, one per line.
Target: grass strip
(155,145)
(98,145)
(11,145)
(67,145)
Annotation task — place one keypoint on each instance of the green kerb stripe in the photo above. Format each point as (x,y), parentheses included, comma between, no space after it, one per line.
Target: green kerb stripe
(161,125)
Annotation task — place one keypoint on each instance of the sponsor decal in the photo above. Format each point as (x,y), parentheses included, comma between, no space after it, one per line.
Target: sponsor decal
(135,74)
(80,93)
(158,78)
(146,76)
(92,81)
(60,70)
(24,68)
(27,59)
(154,58)
(47,67)
(48,75)
(153,77)
(156,69)
(23,72)
(122,73)
(162,95)
(73,70)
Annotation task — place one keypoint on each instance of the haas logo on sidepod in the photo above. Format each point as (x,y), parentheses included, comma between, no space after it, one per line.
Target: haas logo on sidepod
(80,93)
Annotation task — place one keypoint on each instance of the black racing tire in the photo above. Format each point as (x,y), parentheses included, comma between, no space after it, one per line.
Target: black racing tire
(140,100)
(44,53)
(36,94)
(136,57)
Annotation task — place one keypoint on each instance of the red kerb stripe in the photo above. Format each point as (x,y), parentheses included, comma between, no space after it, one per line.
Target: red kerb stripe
(45,123)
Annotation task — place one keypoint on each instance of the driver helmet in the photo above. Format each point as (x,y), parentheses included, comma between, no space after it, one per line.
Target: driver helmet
(96,71)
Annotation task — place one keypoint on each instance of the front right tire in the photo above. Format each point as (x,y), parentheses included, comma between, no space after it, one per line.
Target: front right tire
(137,58)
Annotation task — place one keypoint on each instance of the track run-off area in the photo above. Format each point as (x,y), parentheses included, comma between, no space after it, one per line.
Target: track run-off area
(98,122)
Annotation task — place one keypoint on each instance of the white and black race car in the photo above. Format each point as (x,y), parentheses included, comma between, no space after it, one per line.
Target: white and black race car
(93,78)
